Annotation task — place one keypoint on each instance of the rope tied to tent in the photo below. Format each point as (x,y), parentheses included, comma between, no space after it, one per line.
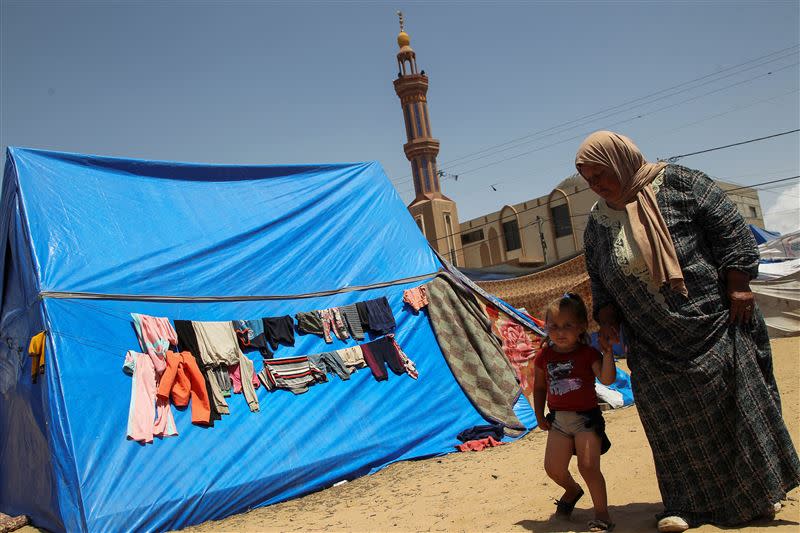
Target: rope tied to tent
(74,295)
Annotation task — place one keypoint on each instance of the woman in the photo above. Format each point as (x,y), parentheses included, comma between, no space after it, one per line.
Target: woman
(670,260)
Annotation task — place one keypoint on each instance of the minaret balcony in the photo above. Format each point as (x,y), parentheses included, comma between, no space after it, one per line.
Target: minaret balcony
(411,84)
(425,146)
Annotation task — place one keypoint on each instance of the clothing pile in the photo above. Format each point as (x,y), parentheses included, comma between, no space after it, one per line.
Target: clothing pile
(205,362)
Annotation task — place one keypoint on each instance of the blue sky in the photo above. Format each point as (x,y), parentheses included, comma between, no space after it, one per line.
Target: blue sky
(301,82)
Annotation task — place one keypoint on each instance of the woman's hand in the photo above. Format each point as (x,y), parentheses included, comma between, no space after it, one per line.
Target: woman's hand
(740,297)
(609,328)
(544,423)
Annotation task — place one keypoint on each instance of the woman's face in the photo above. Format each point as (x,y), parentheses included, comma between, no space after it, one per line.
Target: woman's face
(603,181)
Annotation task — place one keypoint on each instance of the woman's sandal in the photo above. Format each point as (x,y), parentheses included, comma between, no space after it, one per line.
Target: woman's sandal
(565,508)
(600,525)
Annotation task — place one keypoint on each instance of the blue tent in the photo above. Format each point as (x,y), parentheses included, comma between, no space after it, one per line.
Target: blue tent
(762,235)
(88,240)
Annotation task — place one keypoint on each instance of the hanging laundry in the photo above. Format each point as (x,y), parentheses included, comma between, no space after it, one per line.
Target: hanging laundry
(182,381)
(187,340)
(380,353)
(218,343)
(363,315)
(381,319)
(332,321)
(155,334)
(408,364)
(295,374)
(279,330)
(417,297)
(236,379)
(223,379)
(473,352)
(148,415)
(36,350)
(250,334)
(245,373)
(351,318)
(248,373)
(330,363)
(353,357)
(309,323)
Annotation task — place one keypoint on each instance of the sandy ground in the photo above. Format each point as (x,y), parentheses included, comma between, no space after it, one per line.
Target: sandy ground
(505,489)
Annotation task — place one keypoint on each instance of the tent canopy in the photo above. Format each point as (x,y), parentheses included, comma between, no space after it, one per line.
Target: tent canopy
(87,240)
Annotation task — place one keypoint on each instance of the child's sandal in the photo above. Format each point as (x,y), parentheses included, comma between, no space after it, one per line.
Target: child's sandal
(565,508)
(600,525)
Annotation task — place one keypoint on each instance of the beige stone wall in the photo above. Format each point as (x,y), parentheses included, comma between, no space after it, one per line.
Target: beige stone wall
(746,200)
(432,216)
(491,250)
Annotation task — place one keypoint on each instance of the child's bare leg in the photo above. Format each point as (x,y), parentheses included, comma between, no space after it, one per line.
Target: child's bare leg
(587,447)
(557,456)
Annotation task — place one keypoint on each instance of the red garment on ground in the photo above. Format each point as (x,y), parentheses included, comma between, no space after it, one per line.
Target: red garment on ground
(183,380)
(478,445)
(569,377)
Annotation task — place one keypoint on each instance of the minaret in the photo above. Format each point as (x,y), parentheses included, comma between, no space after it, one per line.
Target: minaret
(436,214)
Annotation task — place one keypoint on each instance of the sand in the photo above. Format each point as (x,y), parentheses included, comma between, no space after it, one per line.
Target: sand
(505,488)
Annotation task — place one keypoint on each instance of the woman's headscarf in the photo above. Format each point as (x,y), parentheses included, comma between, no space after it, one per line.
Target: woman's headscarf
(618,153)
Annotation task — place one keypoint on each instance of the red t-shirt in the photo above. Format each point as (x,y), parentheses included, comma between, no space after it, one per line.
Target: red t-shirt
(569,378)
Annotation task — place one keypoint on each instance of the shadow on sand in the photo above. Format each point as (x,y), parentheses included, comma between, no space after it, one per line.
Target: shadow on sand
(630,518)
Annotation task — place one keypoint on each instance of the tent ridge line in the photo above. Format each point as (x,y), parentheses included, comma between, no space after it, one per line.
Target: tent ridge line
(67,295)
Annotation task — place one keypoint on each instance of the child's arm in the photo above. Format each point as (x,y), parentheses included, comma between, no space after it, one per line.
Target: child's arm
(540,397)
(605,370)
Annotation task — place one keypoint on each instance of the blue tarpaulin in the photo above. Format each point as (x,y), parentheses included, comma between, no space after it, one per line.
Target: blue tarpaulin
(76,227)
(762,235)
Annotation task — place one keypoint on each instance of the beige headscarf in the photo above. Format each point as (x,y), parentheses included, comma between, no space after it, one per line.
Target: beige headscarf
(618,153)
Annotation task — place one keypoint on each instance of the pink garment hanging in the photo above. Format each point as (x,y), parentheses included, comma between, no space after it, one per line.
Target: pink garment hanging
(155,333)
(236,378)
(148,415)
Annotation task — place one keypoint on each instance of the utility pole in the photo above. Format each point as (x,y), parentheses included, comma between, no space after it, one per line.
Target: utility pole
(541,236)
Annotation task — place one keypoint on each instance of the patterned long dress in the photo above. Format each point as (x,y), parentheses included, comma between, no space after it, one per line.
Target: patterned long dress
(705,389)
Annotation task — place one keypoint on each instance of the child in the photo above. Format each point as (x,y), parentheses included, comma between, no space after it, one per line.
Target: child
(564,374)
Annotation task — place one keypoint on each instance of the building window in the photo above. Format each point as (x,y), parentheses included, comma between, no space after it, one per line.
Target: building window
(409,132)
(415,112)
(424,164)
(561,220)
(511,235)
(420,224)
(753,212)
(472,236)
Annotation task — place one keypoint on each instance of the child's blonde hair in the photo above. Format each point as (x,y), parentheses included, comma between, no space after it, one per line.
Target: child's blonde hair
(571,303)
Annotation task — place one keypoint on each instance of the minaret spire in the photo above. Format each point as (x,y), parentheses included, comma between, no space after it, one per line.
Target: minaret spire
(435,213)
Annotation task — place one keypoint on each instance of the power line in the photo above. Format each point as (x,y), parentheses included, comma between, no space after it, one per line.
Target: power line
(608,115)
(761,60)
(709,117)
(637,117)
(675,158)
(578,191)
(577,215)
